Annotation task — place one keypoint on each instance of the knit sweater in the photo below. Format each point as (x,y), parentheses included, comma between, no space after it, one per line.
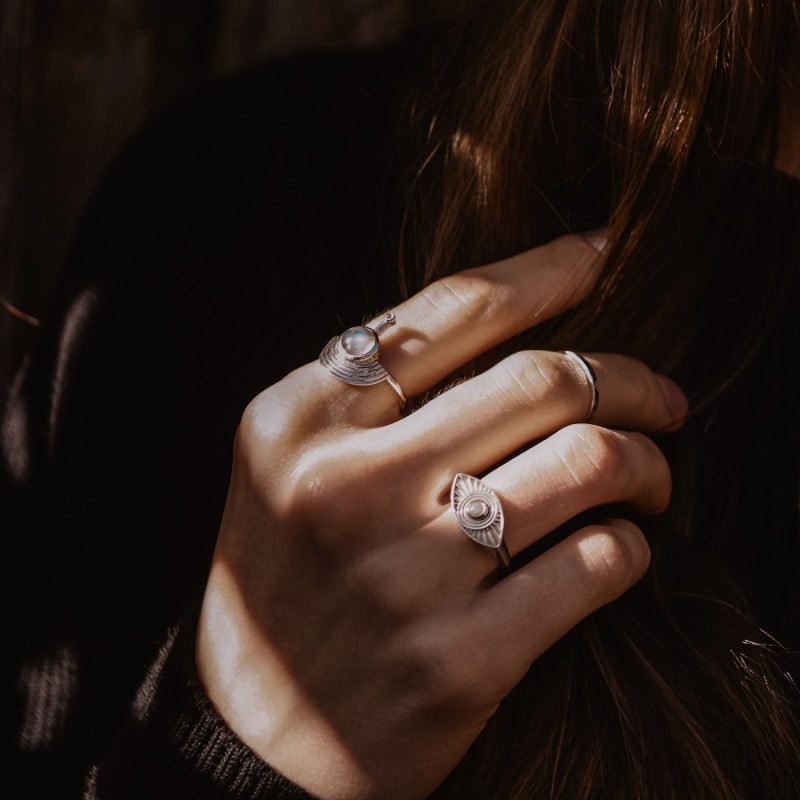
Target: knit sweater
(233,236)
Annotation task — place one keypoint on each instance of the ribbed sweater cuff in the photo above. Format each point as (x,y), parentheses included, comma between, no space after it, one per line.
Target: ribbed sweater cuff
(174,745)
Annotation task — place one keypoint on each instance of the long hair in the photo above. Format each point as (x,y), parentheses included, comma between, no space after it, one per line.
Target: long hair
(659,121)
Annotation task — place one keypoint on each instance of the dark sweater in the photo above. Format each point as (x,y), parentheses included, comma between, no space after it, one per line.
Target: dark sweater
(233,237)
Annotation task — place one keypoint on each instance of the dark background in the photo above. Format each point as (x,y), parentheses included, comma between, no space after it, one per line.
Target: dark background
(77,77)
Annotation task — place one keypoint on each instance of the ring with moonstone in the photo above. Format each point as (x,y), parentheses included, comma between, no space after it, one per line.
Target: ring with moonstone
(352,357)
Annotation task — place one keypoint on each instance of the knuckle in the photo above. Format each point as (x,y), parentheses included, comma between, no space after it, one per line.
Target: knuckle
(291,471)
(263,416)
(463,293)
(615,466)
(278,413)
(313,492)
(534,375)
(323,493)
(260,435)
(608,563)
(597,456)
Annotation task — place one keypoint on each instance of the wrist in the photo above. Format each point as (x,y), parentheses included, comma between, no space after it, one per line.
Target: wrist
(260,700)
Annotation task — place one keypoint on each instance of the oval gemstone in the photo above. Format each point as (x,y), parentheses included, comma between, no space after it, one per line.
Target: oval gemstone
(477,510)
(359,342)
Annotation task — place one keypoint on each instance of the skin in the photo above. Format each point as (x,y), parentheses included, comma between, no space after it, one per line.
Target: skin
(351,634)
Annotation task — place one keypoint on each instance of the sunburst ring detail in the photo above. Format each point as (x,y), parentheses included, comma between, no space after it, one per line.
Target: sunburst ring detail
(352,357)
(479,514)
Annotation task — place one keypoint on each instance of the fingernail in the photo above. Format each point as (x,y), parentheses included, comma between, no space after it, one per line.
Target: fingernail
(675,401)
(597,238)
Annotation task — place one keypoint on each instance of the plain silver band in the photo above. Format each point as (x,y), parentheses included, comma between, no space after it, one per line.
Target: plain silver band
(401,395)
(590,374)
(503,556)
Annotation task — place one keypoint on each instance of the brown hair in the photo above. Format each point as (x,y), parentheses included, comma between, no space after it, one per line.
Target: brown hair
(550,116)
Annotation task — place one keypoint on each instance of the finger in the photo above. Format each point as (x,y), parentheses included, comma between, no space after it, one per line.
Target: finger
(461,316)
(577,468)
(518,618)
(633,397)
(444,326)
(569,471)
(529,395)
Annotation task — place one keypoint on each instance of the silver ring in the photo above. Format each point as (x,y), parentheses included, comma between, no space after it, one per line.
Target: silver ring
(479,514)
(592,380)
(353,357)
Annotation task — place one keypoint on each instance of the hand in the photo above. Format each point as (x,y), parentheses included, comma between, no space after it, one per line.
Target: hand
(351,634)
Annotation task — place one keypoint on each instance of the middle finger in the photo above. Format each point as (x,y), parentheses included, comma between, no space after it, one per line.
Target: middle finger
(526,397)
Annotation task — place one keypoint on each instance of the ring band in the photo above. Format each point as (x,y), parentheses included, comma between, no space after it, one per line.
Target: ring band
(592,381)
(479,514)
(352,357)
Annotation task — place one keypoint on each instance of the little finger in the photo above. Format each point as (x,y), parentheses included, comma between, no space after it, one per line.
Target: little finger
(520,617)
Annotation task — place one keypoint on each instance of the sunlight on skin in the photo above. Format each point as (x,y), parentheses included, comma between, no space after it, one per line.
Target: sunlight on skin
(240,690)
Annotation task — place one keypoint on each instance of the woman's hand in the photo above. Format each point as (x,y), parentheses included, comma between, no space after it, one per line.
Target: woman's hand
(351,634)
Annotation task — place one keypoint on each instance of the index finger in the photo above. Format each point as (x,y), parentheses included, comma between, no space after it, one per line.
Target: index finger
(458,317)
